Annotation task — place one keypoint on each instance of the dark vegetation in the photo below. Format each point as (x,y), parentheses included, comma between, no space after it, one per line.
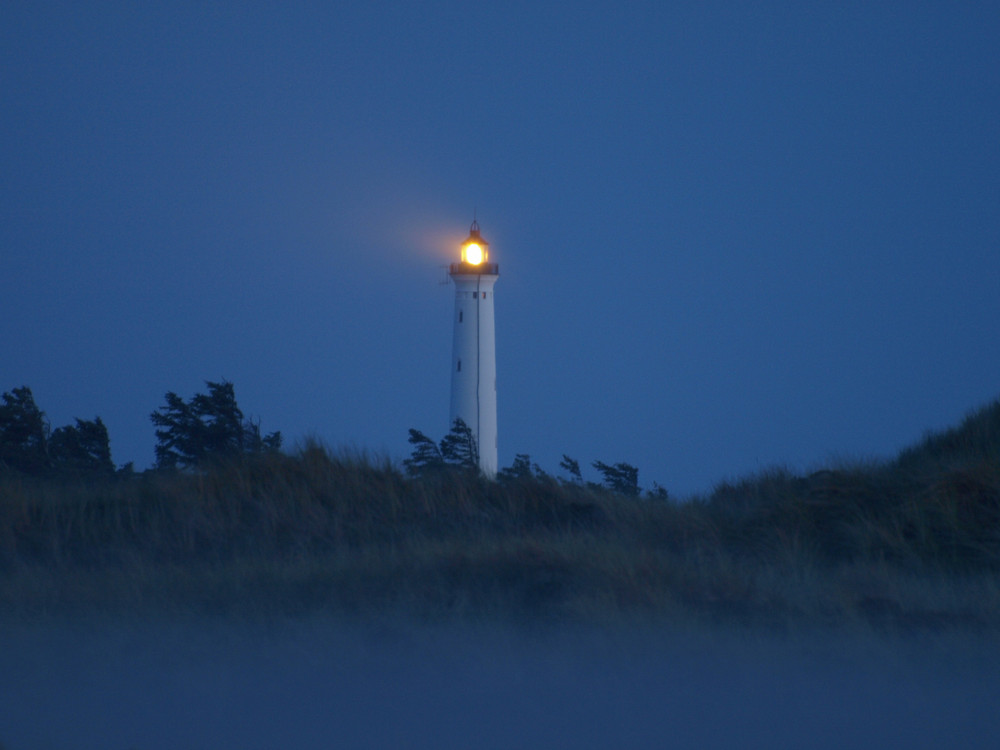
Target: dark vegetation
(208,428)
(229,522)
(28,446)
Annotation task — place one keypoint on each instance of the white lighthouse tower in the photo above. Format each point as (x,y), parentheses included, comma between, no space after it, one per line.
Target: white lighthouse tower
(474,359)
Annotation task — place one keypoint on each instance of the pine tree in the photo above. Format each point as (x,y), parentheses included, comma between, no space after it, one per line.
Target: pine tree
(209,427)
(458,447)
(425,457)
(572,467)
(23,433)
(621,477)
(83,448)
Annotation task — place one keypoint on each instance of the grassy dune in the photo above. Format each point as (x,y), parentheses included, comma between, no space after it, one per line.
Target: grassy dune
(911,543)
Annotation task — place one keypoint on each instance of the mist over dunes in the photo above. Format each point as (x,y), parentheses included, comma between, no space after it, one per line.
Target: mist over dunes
(316,598)
(314,682)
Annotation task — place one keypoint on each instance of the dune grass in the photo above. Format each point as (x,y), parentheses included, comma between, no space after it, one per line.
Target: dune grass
(912,543)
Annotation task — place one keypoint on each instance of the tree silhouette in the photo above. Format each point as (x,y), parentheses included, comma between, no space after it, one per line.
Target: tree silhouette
(458,447)
(621,477)
(519,470)
(209,427)
(23,433)
(425,457)
(657,492)
(523,470)
(83,448)
(457,450)
(572,467)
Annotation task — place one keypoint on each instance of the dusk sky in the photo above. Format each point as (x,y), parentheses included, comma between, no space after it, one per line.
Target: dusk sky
(730,235)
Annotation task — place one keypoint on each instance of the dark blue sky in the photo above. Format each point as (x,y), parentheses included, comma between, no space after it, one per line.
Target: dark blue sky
(730,235)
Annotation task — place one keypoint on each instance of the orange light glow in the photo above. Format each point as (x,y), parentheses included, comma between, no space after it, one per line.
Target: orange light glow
(473,253)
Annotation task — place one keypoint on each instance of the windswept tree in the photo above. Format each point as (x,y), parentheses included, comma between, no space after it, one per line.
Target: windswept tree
(621,477)
(523,470)
(81,449)
(23,433)
(572,467)
(457,450)
(657,492)
(209,427)
(28,446)
(520,470)
(458,447)
(425,456)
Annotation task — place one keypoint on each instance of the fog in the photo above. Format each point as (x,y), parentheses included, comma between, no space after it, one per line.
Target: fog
(316,683)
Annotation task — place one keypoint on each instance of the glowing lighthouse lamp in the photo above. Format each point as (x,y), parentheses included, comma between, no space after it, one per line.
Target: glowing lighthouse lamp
(474,360)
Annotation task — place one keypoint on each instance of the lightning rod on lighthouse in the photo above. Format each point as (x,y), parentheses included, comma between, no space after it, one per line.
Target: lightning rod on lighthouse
(474,362)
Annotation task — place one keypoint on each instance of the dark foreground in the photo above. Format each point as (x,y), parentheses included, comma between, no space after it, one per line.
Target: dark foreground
(315,683)
(314,600)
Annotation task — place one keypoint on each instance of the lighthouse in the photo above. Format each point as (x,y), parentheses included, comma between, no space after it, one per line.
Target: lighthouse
(473,359)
